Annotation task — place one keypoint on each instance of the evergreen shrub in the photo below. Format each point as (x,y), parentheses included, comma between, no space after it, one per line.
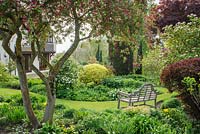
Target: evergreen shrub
(93,73)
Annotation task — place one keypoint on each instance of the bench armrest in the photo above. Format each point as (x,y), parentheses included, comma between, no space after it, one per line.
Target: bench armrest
(123,94)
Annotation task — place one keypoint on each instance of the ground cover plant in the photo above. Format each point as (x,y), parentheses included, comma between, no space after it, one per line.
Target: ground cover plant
(106,90)
(69,120)
(83,121)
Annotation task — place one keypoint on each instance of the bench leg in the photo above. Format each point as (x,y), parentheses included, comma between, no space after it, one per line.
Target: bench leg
(132,104)
(144,102)
(129,104)
(155,103)
(118,106)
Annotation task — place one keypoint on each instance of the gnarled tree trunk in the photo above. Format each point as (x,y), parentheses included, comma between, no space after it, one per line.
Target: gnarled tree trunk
(20,62)
(51,98)
(25,92)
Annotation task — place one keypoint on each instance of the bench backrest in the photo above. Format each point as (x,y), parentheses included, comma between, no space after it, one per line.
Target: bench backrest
(147,92)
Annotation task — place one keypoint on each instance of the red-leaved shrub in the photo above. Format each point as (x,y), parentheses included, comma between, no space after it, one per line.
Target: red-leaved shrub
(173,74)
(172,77)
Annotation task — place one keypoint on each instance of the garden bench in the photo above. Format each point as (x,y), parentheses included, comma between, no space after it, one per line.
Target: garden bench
(143,94)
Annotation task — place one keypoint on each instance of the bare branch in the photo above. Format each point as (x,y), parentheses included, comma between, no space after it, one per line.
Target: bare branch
(89,36)
(58,65)
(38,72)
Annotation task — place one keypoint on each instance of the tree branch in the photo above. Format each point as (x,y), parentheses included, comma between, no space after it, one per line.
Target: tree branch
(44,79)
(54,71)
(87,37)
(86,12)
(41,56)
(7,48)
(5,30)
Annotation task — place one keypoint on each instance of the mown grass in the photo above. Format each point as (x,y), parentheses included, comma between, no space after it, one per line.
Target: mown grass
(96,106)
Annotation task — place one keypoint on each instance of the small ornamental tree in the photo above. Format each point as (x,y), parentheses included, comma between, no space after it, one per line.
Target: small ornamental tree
(173,75)
(33,20)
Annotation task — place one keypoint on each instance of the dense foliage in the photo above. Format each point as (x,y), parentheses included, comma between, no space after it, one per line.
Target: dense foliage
(182,40)
(170,12)
(67,76)
(104,91)
(11,108)
(93,73)
(173,76)
(119,122)
(121,57)
(153,63)
(7,80)
(11,114)
(4,75)
(171,103)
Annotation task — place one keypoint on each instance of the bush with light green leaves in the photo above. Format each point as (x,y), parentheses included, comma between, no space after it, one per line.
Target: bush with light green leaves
(183,40)
(93,73)
(153,63)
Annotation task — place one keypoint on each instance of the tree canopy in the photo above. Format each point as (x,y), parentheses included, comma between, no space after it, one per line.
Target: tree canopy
(170,12)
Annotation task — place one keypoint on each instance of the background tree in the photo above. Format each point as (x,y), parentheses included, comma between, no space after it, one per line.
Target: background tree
(88,49)
(33,19)
(170,12)
(121,57)
(99,54)
(182,40)
(134,36)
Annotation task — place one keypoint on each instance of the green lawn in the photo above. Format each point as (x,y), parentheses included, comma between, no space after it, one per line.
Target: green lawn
(97,106)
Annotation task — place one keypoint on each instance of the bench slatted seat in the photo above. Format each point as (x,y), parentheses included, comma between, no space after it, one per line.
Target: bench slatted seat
(143,94)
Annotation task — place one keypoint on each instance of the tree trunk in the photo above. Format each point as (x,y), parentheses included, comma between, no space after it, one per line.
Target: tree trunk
(51,99)
(25,93)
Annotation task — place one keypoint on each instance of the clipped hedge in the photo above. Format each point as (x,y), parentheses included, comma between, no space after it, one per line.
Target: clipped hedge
(133,81)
